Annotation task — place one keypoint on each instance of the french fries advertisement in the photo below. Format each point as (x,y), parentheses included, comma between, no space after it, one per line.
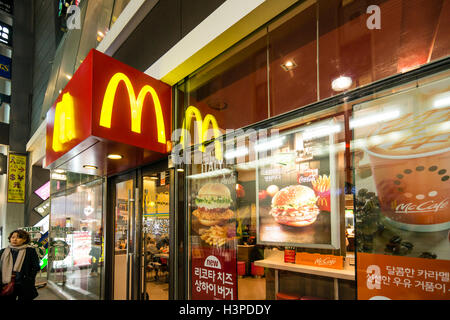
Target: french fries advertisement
(321,187)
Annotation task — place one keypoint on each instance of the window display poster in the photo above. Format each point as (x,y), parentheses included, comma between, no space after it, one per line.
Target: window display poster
(81,247)
(213,238)
(383,277)
(402,186)
(295,183)
(16,177)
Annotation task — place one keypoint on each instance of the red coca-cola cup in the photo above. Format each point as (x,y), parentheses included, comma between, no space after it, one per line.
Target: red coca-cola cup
(410,162)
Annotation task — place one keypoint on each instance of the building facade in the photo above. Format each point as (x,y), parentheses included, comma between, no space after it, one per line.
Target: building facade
(298,132)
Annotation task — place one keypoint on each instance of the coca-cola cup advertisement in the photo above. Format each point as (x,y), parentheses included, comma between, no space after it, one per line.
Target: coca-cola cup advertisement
(402,160)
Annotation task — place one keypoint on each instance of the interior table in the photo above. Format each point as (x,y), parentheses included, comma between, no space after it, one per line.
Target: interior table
(348,273)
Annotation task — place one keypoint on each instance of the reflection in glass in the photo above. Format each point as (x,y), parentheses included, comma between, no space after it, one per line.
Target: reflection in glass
(76,239)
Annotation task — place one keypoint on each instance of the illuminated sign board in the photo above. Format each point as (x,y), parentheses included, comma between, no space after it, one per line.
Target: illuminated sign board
(44,191)
(5,67)
(7,6)
(5,34)
(99,103)
(136,105)
(202,129)
(44,208)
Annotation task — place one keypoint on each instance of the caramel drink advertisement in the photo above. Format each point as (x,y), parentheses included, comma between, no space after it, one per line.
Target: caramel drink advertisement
(297,188)
(402,190)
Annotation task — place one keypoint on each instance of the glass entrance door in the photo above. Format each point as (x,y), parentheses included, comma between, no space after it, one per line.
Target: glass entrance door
(155,234)
(126,196)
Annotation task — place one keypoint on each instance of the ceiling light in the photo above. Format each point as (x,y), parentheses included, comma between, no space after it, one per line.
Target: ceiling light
(114,156)
(289,65)
(88,166)
(342,83)
(100,34)
(59,171)
(180,170)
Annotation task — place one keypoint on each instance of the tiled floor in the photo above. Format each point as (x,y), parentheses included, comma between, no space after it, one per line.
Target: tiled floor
(250,288)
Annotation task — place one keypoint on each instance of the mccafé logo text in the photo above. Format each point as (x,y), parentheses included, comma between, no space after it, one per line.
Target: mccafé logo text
(428,206)
(202,129)
(136,105)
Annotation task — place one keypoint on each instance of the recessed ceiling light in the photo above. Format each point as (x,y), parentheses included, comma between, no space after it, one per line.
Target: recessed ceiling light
(88,166)
(289,65)
(59,171)
(342,83)
(114,156)
(180,169)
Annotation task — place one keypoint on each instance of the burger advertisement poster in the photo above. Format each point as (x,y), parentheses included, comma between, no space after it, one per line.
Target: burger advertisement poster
(297,201)
(402,194)
(213,235)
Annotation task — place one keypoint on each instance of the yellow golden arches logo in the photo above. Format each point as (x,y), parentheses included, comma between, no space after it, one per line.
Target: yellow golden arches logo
(202,129)
(135,105)
(64,125)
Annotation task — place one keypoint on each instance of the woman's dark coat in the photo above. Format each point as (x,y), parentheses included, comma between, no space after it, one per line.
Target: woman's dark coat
(30,268)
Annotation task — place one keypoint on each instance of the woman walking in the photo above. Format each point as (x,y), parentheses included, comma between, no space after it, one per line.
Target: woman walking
(19,264)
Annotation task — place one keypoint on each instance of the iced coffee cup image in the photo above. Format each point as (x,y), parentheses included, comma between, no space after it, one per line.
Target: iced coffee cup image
(410,161)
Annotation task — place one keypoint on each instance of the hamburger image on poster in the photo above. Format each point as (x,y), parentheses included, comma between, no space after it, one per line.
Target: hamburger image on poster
(213,204)
(295,206)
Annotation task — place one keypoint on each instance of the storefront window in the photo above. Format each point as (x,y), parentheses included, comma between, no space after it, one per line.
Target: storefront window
(76,234)
(401,190)
(269,197)
(314,190)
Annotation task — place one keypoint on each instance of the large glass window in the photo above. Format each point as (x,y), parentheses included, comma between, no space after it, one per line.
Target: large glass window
(76,234)
(269,196)
(402,188)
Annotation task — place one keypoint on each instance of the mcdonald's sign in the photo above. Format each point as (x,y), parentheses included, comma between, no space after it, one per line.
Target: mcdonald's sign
(202,129)
(110,103)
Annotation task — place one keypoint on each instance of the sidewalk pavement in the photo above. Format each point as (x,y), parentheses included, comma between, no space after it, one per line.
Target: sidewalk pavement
(45,293)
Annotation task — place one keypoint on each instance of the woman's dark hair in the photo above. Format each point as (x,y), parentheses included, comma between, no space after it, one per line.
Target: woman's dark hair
(22,234)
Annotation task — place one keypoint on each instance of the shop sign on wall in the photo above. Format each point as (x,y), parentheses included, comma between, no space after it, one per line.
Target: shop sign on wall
(5,67)
(17,165)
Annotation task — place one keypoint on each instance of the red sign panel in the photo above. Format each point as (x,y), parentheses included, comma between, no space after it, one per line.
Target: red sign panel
(383,277)
(109,100)
(214,275)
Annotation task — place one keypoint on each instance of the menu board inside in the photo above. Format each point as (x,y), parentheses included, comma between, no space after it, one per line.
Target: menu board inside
(298,187)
